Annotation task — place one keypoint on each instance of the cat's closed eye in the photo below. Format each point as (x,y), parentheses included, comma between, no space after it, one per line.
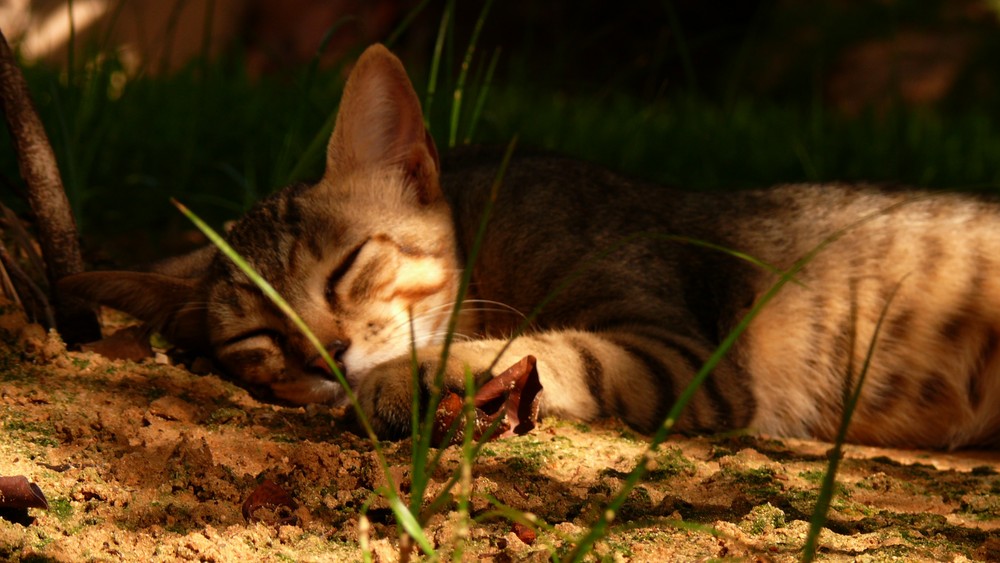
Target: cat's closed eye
(256,337)
(256,356)
(338,273)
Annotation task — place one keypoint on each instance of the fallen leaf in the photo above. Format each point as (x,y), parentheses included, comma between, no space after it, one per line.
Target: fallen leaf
(448,411)
(270,504)
(519,389)
(507,405)
(17,495)
(18,492)
(524,533)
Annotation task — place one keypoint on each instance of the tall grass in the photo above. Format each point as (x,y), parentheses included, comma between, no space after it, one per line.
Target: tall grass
(139,141)
(694,144)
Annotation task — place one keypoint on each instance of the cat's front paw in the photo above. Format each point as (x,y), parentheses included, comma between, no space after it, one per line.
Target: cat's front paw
(386,391)
(385,394)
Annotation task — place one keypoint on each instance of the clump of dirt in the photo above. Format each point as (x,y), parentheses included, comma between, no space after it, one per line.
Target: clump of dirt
(144,461)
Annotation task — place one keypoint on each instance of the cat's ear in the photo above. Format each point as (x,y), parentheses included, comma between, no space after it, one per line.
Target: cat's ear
(380,124)
(173,306)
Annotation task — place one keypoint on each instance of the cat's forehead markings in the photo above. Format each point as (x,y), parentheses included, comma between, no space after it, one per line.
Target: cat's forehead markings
(237,293)
(227,296)
(406,247)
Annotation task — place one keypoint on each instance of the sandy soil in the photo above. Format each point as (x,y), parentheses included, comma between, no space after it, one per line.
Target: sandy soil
(150,462)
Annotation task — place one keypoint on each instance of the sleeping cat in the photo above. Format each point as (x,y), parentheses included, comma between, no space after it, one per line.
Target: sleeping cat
(376,248)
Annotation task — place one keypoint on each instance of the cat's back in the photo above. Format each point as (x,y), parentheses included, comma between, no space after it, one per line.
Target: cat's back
(556,222)
(571,200)
(539,184)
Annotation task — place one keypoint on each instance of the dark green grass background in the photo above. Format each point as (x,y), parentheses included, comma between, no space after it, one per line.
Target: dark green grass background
(701,95)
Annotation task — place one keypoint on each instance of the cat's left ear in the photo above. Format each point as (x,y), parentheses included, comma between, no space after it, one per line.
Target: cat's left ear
(380,124)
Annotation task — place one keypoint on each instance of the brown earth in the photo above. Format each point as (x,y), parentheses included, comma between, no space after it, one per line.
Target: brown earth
(149,462)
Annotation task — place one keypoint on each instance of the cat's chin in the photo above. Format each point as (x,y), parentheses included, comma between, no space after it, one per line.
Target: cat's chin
(308,390)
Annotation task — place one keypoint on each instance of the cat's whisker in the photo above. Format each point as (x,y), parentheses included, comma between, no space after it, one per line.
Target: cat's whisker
(395,323)
(498,307)
(433,338)
(495,310)
(409,317)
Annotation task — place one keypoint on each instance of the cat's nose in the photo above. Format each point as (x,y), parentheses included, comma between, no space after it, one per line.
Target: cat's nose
(336,350)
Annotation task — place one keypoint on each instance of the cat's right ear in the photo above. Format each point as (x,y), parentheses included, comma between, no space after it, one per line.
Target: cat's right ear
(171,305)
(380,124)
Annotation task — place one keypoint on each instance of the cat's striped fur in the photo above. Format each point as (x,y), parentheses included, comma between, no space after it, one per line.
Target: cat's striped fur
(381,240)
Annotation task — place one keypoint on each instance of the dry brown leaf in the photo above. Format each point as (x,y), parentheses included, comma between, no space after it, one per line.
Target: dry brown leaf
(17,495)
(270,504)
(524,533)
(507,405)
(18,492)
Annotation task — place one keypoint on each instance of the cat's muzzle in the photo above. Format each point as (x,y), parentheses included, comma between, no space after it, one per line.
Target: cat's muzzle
(336,351)
(319,365)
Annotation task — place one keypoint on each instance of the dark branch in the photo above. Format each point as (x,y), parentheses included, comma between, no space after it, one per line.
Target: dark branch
(56,227)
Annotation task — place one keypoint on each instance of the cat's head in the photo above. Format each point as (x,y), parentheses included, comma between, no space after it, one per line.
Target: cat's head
(357,255)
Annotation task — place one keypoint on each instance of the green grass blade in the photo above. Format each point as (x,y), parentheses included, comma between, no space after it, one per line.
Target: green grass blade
(410,524)
(415,389)
(851,398)
(583,268)
(481,97)
(432,80)
(463,290)
(316,147)
(267,289)
(423,444)
(170,34)
(405,23)
(456,101)
(289,146)
(364,537)
(71,45)
(466,460)
(611,510)
(682,47)
(419,476)
(734,253)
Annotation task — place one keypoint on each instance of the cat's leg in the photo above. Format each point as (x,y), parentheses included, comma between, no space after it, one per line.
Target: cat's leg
(633,375)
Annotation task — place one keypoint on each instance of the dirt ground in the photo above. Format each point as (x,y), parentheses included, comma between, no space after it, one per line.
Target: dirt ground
(150,462)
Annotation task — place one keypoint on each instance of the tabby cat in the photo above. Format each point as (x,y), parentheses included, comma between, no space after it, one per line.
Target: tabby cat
(376,248)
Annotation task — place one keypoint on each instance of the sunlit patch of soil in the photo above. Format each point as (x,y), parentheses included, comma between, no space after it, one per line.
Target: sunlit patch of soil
(149,462)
